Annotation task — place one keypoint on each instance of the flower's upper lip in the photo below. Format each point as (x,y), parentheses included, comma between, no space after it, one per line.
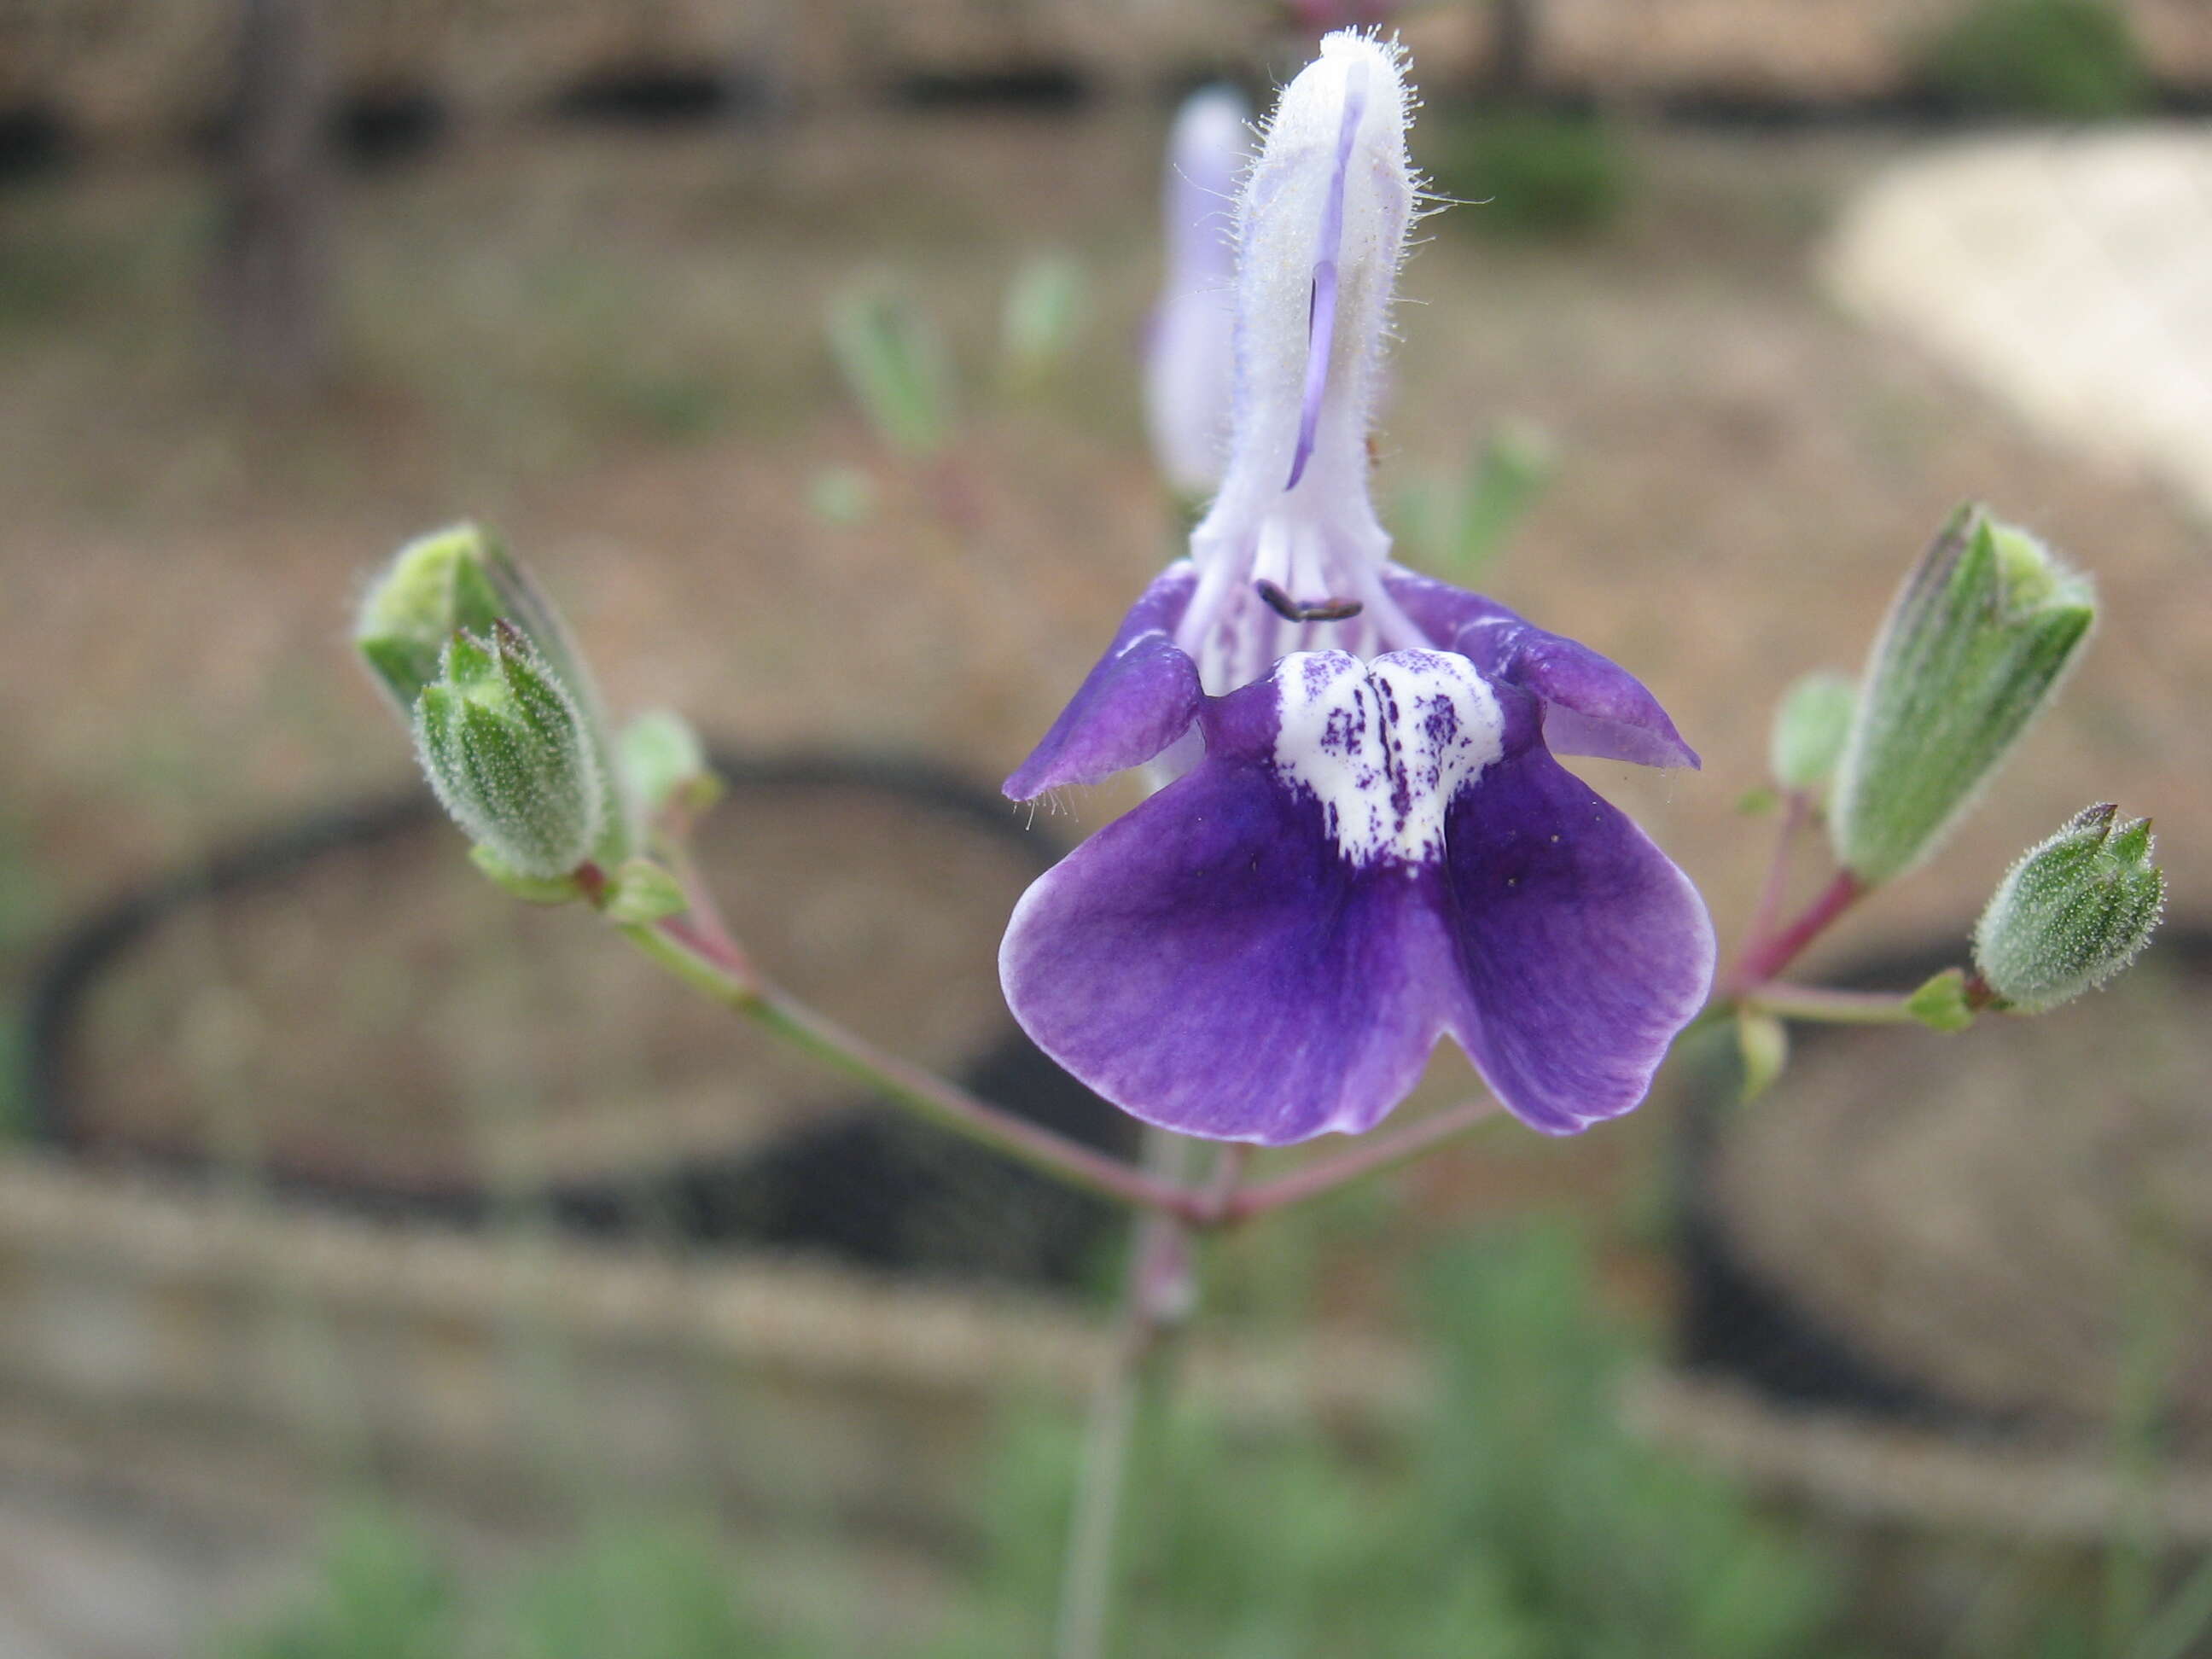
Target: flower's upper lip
(1321,312)
(1320,229)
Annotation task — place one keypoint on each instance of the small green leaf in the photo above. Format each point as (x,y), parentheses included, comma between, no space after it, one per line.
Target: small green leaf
(1941,1004)
(1762,1042)
(644,892)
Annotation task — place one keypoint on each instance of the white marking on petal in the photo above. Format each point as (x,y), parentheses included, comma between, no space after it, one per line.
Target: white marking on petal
(1384,746)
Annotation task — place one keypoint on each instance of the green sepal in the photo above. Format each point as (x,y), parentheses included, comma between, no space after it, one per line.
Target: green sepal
(1762,1043)
(531,889)
(1810,725)
(1975,644)
(643,892)
(2072,911)
(1941,1004)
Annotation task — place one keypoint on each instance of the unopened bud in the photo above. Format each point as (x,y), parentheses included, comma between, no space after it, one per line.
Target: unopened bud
(510,756)
(1810,725)
(2073,912)
(1975,644)
(458,579)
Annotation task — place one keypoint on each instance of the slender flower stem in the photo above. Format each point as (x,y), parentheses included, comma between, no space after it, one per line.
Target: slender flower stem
(1796,805)
(1219,1195)
(1158,1293)
(691,953)
(1766,956)
(1825,1006)
(1373,1156)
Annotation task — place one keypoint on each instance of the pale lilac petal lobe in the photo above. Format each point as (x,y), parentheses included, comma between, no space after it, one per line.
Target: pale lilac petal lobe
(1582,949)
(1594,706)
(1140,698)
(1212,965)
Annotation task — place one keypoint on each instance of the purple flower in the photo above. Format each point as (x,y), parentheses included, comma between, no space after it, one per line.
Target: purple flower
(1366,843)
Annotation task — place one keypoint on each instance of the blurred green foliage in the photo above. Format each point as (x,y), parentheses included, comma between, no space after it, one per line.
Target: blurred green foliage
(1519,1519)
(643,1590)
(25,910)
(1453,524)
(381,1593)
(1528,172)
(2073,60)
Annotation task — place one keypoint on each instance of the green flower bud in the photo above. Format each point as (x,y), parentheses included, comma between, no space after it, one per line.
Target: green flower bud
(2073,911)
(457,579)
(510,754)
(1975,642)
(1810,725)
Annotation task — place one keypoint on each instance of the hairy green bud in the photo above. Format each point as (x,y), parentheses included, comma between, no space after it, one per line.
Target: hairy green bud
(2072,912)
(1975,644)
(455,580)
(510,754)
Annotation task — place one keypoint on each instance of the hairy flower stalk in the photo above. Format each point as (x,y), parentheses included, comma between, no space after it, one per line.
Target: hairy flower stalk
(1366,843)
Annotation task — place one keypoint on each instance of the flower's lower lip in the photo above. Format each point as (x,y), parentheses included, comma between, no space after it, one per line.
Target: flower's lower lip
(1297,611)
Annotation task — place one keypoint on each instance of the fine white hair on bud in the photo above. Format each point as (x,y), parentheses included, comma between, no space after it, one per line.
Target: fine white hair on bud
(1320,231)
(510,754)
(2072,912)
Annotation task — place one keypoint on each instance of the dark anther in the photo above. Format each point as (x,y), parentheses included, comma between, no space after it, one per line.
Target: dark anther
(1291,611)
